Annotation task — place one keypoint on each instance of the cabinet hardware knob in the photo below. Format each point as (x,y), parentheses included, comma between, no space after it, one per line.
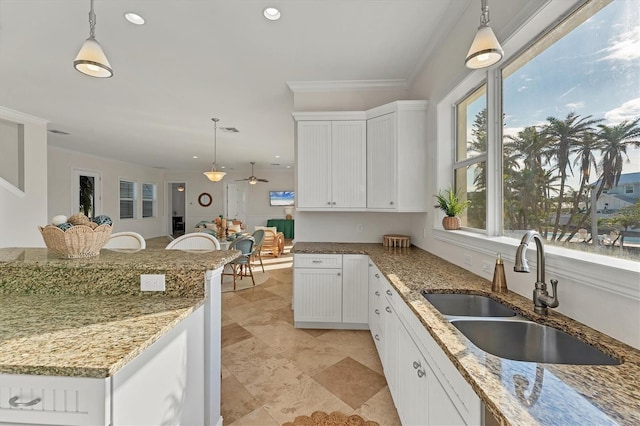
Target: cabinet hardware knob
(389,293)
(416,364)
(377,311)
(391,203)
(421,373)
(377,337)
(14,402)
(388,309)
(377,275)
(377,293)
(329,202)
(334,203)
(339,274)
(316,261)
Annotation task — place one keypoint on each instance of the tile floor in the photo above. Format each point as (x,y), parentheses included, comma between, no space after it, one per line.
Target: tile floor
(273,372)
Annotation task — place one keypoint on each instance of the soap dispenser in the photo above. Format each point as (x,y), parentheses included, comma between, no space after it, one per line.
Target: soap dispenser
(499,283)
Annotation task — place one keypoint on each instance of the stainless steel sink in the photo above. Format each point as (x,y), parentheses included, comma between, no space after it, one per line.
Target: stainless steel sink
(529,341)
(470,305)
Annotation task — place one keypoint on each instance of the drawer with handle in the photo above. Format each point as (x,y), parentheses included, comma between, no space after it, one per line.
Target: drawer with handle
(321,261)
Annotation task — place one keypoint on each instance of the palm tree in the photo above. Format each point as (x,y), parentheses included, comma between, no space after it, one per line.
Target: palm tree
(615,140)
(565,135)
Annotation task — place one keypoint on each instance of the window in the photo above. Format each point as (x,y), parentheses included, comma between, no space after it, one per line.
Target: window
(148,200)
(127,199)
(471,156)
(628,189)
(569,105)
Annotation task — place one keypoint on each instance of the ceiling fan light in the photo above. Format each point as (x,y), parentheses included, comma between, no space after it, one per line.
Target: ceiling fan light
(92,61)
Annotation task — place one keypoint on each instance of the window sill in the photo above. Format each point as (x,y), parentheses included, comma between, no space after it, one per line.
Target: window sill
(586,268)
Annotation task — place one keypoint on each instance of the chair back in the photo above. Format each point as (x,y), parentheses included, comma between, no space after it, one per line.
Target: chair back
(259,237)
(194,241)
(245,245)
(126,240)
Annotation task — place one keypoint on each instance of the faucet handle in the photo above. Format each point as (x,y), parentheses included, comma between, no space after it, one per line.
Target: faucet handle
(554,301)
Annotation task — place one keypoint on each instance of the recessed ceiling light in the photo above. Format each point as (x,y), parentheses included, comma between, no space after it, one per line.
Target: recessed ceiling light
(288,167)
(277,156)
(271,13)
(223,167)
(134,18)
(195,156)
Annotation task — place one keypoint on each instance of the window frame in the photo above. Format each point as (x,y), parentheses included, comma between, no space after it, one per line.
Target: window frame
(587,268)
(154,200)
(134,200)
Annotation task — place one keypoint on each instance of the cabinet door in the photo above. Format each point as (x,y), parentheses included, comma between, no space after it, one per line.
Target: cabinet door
(381,162)
(314,164)
(375,309)
(413,376)
(355,285)
(349,164)
(317,295)
(390,359)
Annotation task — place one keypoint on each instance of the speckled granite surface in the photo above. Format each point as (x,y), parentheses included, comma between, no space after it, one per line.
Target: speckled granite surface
(88,317)
(515,392)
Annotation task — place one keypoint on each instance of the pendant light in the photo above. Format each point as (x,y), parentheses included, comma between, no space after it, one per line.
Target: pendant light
(214,175)
(485,49)
(91,60)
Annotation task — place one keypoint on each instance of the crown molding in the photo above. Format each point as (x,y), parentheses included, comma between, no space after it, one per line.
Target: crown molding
(20,117)
(346,85)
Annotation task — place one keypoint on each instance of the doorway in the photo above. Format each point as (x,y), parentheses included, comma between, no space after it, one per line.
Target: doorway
(86,187)
(236,205)
(177,208)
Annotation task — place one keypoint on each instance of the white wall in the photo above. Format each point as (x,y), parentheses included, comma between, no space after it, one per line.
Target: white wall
(356,100)
(61,165)
(22,212)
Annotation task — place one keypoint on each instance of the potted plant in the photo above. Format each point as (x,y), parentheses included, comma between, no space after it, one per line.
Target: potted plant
(452,206)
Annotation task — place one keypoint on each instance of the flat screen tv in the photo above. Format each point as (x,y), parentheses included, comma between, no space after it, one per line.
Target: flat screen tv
(281,198)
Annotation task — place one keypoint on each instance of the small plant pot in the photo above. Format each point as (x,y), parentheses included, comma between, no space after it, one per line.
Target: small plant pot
(451,222)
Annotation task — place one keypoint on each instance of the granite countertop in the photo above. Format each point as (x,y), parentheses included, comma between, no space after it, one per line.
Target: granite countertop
(515,392)
(88,317)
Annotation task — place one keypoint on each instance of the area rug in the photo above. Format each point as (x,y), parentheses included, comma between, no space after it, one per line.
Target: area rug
(320,418)
(244,283)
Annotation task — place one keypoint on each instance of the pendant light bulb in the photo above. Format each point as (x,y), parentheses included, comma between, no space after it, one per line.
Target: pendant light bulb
(214,175)
(485,49)
(91,59)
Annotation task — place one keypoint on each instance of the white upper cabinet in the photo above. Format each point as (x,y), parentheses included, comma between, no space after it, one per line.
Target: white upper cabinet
(397,157)
(373,160)
(331,164)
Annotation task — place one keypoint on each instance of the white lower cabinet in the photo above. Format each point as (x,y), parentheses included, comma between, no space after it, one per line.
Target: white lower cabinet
(330,291)
(426,387)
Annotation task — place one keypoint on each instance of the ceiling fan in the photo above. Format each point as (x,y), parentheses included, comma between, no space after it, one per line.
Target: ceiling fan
(252,179)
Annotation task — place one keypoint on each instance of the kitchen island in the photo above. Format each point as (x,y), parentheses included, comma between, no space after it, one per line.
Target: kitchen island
(80,337)
(513,392)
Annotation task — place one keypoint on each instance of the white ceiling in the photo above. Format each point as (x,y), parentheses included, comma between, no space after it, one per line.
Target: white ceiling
(198,59)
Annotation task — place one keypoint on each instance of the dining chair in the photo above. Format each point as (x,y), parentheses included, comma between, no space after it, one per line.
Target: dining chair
(245,245)
(258,236)
(194,241)
(126,240)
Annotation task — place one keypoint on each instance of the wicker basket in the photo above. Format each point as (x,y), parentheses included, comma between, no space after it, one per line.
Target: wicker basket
(76,242)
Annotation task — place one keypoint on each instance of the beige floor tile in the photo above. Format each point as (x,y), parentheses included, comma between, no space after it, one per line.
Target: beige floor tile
(231,300)
(315,332)
(313,357)
(258,417)
(351,381)
(224,372)
(358,344)
(250,309)
(305,398)
(236,356)
(381,409)
(253,294)
(280,335)
(226,320)
(234,333)
(235,400)
(267,376)
(277,315)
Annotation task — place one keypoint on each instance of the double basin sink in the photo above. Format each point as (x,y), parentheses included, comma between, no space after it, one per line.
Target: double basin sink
(498,330)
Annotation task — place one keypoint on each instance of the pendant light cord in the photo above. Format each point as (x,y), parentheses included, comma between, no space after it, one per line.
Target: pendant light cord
(215,140)
(92,22)
(484,17)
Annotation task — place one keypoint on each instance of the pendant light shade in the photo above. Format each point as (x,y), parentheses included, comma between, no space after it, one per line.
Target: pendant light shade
(485,49)
(91,59)
(215,175)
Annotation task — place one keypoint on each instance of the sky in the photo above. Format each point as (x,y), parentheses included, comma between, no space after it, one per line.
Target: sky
(594,70)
